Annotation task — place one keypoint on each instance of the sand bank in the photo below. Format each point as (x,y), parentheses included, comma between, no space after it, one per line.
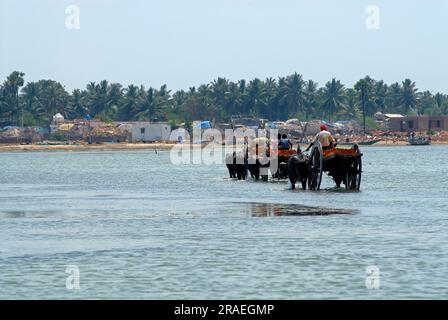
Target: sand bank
(84,147)
(143,146)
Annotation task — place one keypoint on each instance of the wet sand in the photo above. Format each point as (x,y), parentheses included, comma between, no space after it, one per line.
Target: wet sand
(144,146)
(276,209)
(85,147)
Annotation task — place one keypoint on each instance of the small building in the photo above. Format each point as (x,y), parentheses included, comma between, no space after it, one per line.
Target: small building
(58,118)
(418,123)
(179,135)
(144,131)
(383,120)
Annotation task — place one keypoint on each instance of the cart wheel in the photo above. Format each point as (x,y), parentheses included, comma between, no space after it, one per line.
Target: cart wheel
(316,167)
(354,172)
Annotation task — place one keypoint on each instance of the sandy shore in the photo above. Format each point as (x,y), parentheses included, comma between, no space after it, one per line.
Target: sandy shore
(143,146)
(84,147)
(390,143)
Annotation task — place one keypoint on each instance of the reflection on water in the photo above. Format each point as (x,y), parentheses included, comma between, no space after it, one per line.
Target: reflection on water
(277,209)
(14,214)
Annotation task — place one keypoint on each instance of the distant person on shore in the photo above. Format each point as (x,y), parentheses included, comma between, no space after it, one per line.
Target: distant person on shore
(325,138)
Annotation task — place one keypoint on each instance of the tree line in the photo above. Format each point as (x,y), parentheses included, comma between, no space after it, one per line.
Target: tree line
(35,103)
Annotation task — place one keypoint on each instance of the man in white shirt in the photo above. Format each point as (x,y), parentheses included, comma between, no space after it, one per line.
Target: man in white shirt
(324,137)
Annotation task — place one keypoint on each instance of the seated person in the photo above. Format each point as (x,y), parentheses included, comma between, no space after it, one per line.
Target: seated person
(284,143)
(325,138)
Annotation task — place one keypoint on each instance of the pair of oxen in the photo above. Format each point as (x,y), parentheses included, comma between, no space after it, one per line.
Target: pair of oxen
(296,167)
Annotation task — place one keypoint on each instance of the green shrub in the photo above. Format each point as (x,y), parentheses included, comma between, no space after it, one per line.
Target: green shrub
(371,124)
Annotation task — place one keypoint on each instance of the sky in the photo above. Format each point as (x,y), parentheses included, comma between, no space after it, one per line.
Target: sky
(188,43)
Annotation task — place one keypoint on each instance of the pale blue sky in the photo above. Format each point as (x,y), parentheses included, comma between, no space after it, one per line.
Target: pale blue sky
(185,43)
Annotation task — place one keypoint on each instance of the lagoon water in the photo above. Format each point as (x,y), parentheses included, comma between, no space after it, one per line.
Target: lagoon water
(138,227)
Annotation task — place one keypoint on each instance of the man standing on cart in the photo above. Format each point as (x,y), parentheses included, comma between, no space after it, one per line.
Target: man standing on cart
(325,138)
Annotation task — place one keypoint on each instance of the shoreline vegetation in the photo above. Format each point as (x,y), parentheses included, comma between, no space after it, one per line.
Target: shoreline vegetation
(34,103)
(28,110)
(124,146)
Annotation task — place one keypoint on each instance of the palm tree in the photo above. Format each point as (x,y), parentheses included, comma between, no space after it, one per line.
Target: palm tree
(270,93)
(350,108)
(52,99)
(234,100)
(148,108)
(293,93)
(439,99)
(427,103)
(178,102)
(131,102)
(364,87)
(163,98)
(244,105)
(91,98)
(100,98)
(3,105)
(11,94)
(333,93)
(409,96)
(30,94)
(380,95)
(219,89)
(78,108)
(310,98)
(191,105)
(256,96)
(205,104)
(282,107)
(393,98)
(114,99)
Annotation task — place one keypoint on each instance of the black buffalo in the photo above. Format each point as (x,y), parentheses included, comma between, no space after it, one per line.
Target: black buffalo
(255,169)
(298,169)
(237,165)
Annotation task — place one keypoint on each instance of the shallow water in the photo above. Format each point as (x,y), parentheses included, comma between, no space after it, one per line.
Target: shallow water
(140,227)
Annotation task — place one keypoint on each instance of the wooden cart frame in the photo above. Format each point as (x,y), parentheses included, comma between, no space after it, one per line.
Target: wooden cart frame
(343,164)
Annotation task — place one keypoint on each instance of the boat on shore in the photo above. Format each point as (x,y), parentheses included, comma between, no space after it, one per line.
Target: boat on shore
(368,143)
(419,141)
(362,143)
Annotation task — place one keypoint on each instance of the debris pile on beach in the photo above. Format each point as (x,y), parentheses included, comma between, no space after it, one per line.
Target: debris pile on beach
(18,135)
(444,135)
(292,130)
(106,131)
(14,133)
(312,127)
(350,126)
(32,135)
(441,136)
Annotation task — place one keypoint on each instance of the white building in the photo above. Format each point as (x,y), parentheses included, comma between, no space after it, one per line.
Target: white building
(150,132)
(179,135)
(58,119)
